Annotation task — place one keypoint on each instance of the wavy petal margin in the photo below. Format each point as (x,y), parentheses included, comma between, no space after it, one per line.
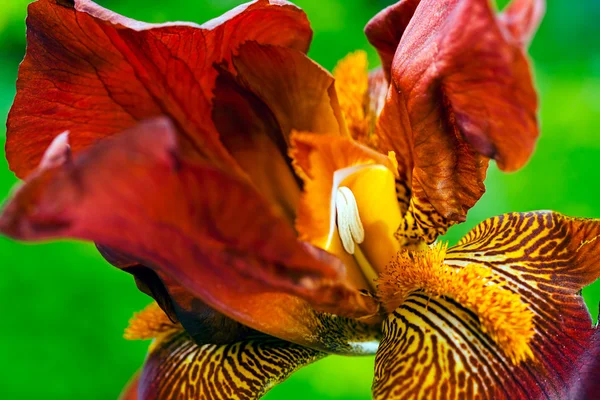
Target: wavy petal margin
(434,348)
(95,73)
(461,92)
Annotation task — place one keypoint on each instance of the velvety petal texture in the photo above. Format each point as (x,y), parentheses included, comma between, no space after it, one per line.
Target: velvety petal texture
(96,73)
(435,347)
(236,253)
(587,385)
(461,92)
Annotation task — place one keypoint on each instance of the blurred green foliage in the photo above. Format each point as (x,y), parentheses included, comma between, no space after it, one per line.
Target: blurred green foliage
(64,309)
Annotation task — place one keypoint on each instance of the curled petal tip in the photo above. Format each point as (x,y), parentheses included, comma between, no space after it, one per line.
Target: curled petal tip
(521,19)
(58,153)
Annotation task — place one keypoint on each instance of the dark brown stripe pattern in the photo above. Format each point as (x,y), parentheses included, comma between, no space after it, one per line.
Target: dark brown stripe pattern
(421,223)
(178,368)
(434,348)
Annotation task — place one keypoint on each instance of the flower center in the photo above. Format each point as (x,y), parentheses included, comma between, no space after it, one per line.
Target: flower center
(502,314)
(366,217)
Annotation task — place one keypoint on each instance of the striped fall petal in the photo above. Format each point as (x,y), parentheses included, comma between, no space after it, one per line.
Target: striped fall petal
(440,345)
(178,367)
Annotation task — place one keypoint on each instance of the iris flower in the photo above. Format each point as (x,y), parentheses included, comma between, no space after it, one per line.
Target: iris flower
(278,213)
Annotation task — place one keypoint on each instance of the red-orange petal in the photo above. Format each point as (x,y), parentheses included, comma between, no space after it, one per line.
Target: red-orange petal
(253,136)
(385,30)
(461,92)
(522,18)
(130,391)
(299,92)
(493,99)
(209,231)
(272,91)
(95,73)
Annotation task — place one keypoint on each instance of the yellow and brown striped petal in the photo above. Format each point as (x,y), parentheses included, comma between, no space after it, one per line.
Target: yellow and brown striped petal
(178,368)
(434,347)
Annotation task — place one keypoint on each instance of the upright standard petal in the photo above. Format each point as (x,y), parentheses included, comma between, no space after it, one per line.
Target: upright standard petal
(209,231)
(461,92)
(95,73)
(299,92)
(436,347)
(272,91)
(385,30)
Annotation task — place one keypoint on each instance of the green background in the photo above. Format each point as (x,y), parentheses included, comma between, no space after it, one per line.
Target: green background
(63,309)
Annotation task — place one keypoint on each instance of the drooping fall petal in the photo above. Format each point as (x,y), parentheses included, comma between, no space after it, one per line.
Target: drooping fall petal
(220,371)
(95,73)
(587,385)
(461,92)
(179,366)
(207,230)
(435,347)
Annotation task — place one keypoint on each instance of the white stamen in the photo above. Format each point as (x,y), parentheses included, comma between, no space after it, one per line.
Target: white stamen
(350,226)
